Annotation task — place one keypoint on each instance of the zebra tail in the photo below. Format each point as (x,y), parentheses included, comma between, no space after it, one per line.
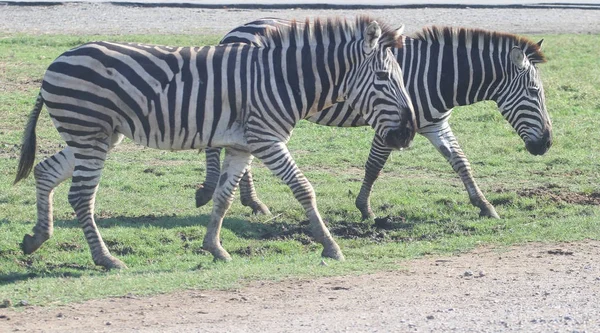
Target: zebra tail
(29,148)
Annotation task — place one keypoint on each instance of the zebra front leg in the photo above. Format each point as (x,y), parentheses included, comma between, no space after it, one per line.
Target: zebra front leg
(248,194)
(48,174)
(213,171)
(277,158)
(445,142)
(89,163)
(236,162)
(377,157)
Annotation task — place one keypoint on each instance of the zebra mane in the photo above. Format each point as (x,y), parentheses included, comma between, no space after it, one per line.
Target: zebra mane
(459,34)
(337,27)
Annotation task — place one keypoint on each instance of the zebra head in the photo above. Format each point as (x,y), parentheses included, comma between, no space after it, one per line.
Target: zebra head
(523,104)
(377,90)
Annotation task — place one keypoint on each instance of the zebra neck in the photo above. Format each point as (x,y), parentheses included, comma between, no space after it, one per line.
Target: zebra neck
(309,78)
(442,75)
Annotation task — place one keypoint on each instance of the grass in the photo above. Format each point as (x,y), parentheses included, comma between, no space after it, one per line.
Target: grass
(146,211)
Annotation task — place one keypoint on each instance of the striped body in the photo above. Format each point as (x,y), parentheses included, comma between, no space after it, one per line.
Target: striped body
(442,68)
(160,97)
(245,98)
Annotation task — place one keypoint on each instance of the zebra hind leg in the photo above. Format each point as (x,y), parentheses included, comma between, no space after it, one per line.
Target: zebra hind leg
(88,166)
(249,197)
(277,158)
(235,163)
(213,171)
(48,174)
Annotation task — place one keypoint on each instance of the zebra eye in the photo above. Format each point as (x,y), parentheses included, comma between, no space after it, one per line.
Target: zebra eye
(382,75)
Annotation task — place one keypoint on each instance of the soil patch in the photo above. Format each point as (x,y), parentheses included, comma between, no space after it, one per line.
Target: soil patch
(528,288)
(555,194)
(562,196)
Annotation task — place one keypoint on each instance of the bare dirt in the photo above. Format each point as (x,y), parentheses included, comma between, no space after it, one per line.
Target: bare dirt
(528,288)
(107,19)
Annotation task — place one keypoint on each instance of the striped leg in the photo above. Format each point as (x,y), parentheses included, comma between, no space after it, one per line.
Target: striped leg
(377,157)
(445,142)
(277,158)
(247,191)
(89,160)
(236,161)
(248,195)
(213,170)
(48,174)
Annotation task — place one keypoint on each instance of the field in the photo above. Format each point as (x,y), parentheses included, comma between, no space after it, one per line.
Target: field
(146,213)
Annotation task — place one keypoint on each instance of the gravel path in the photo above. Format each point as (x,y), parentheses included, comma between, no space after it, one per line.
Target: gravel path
(530,288)
(111,19)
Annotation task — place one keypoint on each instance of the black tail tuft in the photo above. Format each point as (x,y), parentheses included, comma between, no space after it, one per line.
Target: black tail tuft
(29,148)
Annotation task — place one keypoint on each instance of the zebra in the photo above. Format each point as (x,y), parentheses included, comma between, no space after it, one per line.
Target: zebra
(245,98)
(443,67)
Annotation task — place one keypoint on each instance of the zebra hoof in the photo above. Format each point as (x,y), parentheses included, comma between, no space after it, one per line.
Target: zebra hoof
(260,209)
(367,215)
(333,251)
(31,244)
(218,252)
(489,211)
(111,262)
(221,256)
(203,196)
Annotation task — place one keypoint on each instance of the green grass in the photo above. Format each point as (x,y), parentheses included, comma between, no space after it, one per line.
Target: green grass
(146,211)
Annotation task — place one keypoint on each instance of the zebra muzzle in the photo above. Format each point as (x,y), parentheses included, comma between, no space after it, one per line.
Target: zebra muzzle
(541,145)
(400,137)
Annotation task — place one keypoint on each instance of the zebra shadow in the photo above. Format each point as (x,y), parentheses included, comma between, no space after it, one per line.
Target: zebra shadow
(186,232)
(274,229)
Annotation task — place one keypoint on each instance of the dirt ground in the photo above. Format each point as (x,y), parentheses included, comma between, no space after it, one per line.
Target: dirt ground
(103,19)
(528,288)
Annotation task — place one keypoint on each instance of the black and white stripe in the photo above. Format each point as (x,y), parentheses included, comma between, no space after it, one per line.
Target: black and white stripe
(245,98)
(443,68)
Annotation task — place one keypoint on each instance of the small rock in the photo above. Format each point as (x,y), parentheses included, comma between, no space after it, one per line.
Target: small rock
(108,323)
(468,273)
(560,252)
(430,317)
(481,273)
(60,315)
(23,303)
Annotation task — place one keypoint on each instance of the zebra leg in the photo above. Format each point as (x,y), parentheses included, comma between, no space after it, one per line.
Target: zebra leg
(377,157)
(248,195)
(89,162)
(445,142)
(277,158)
(213,170)
(48,174)
(236,162)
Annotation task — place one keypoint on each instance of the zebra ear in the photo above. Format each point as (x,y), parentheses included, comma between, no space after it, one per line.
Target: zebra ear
(539,44)
(400,30)
(517,56)
(372,34)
